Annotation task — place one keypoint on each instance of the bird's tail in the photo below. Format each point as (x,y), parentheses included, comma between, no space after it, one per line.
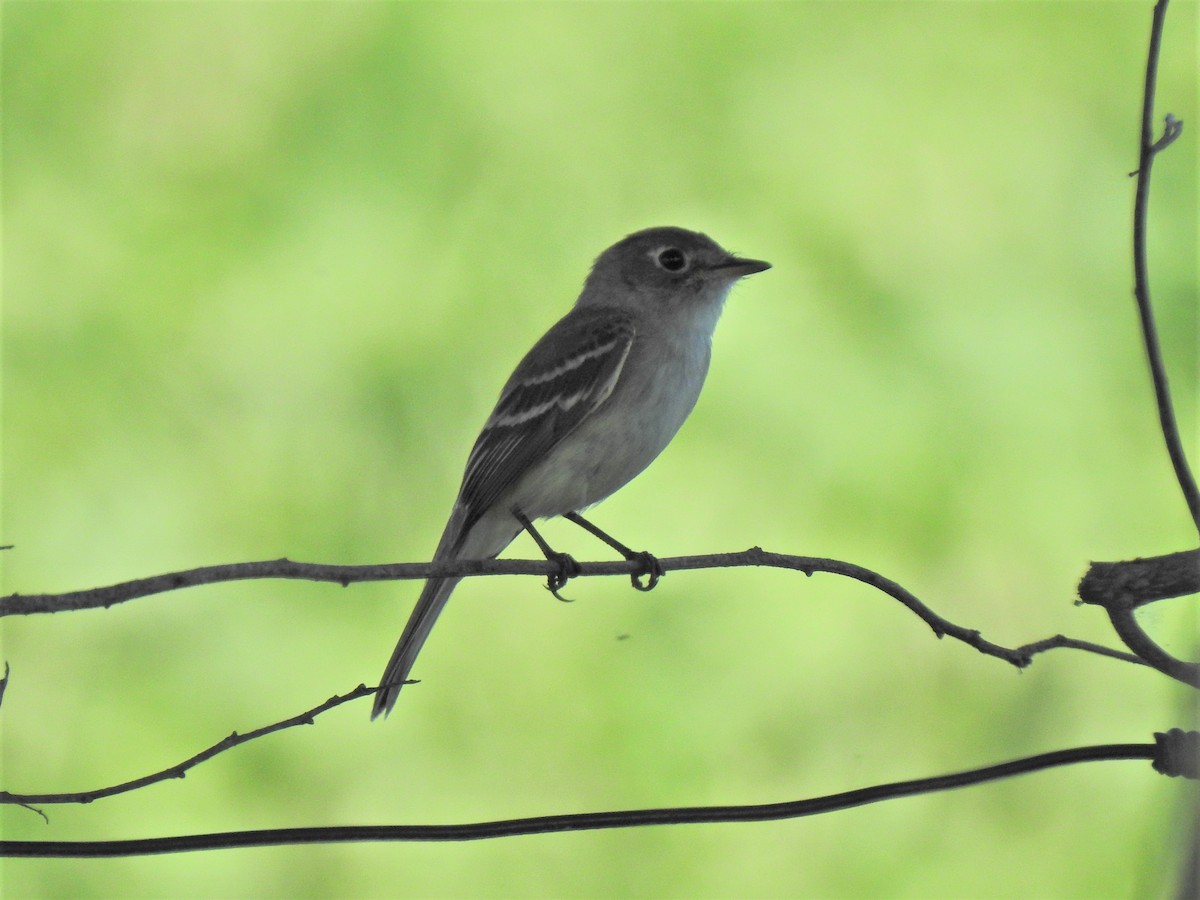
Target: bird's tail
(434,596)
(481,539)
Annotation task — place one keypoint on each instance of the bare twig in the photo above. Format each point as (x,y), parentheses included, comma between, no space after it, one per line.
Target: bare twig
(18,604)
(180,769)
(1060,641)
(1121,614)
(581,821)
(1148,149)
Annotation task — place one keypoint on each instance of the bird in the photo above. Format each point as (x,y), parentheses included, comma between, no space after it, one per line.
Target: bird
(590,406)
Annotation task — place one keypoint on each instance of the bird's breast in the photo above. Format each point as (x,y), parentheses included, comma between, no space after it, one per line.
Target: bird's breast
(657,389)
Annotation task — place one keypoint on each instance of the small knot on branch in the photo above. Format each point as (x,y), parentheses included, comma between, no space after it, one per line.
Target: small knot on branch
(1172,128)
(1177,752)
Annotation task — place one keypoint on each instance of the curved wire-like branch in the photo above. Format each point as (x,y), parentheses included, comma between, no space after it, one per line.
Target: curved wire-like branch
(1149,147)
(580,821)
(24,604)
(1125,624)
(179,770)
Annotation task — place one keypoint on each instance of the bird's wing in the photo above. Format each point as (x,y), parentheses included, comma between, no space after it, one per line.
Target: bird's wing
(567,375)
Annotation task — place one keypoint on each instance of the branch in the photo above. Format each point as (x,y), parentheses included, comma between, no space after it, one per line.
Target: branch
(180,770)
(1120,588)
(1149,148)
(1162,752)
(18,604)
(282,568)
(1142,580)
(1123,587)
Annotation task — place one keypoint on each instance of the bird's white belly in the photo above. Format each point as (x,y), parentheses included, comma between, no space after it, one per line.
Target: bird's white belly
(617,442)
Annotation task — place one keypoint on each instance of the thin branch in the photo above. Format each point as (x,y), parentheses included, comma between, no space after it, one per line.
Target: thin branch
(1125,624)
(18,604)
(1061,641)
(1149,148)
(180,769)
(575,822)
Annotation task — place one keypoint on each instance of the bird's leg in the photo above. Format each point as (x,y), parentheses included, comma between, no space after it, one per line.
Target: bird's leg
(650,564)
(568,568)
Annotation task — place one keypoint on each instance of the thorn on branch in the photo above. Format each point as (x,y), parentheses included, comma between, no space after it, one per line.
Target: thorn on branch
(1172,129)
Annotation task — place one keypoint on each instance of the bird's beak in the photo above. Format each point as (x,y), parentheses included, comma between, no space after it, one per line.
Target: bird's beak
(736,267)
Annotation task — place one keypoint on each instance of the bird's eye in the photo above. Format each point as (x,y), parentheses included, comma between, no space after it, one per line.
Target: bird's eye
(672,259)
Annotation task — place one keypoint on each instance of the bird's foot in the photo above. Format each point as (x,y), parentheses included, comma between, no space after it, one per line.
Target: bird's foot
(568,568)
(650,566)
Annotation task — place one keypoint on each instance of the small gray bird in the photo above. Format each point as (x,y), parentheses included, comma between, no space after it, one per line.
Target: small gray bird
(587,409)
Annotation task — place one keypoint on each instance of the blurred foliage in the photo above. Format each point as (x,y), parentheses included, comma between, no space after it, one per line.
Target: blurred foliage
(265,266)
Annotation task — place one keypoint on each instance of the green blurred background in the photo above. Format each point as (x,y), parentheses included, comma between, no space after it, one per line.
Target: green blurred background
(265,268)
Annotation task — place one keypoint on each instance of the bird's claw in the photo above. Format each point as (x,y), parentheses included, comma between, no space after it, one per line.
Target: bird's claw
(568,568)
(651,567)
